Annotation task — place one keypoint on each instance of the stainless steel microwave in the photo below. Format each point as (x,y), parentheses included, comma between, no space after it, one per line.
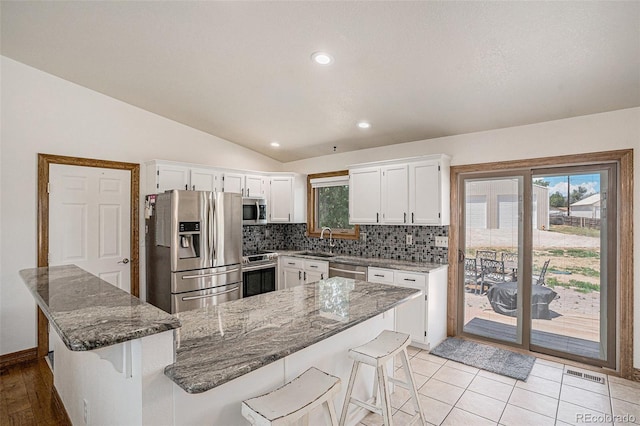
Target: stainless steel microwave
(254,211)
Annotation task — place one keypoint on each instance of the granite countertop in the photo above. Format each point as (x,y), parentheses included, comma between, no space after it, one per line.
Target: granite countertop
(220,343)
(402,265)
(89,313)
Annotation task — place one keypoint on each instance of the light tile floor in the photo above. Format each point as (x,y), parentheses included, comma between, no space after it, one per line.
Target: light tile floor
(455,394)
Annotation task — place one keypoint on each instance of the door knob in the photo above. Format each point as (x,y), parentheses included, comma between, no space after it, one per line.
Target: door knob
(125,261)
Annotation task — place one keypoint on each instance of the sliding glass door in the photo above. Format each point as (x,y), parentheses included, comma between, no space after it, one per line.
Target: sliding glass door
(493,242)
(538,248)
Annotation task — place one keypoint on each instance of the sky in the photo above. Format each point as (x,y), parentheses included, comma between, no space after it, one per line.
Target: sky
(559,183)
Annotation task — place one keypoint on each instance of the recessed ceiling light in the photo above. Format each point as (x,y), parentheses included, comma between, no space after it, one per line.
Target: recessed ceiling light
(364,125)
(322,58)
(275,144)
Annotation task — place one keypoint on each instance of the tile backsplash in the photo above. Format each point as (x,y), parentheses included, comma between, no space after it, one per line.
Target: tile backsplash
(383,241)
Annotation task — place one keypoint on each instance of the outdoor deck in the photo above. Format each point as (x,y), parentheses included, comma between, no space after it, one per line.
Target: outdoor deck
(561,342)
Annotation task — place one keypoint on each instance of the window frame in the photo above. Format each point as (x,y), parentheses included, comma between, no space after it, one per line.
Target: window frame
(312,230)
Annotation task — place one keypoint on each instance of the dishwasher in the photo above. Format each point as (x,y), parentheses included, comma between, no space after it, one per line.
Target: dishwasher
(337,269)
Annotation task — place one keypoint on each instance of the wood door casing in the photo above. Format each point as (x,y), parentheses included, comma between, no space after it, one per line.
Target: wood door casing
(44,161)
(625,223)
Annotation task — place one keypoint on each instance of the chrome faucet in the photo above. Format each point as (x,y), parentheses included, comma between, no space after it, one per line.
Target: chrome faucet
(331,243)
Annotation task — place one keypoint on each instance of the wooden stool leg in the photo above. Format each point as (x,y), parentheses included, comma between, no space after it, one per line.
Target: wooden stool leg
(387,414)
(412,386)
(347,398)
(333,417)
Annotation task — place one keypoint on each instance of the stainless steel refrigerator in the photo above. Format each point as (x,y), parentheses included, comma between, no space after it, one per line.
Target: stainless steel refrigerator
(194,250)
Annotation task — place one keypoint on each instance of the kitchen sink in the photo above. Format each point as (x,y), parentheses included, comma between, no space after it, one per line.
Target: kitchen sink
(315,254)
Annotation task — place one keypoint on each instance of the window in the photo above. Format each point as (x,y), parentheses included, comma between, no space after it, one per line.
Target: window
(328,205)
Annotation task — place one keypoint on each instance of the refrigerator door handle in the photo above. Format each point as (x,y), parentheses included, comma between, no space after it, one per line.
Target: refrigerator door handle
(210,294)
(212,216)
(214,274)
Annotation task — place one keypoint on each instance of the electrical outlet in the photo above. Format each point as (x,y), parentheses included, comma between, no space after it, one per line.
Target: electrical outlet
(85,411)
(363,236)
(267,233)
(442,241)
(409,239)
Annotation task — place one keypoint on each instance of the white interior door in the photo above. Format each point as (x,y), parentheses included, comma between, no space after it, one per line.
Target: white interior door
(89,221)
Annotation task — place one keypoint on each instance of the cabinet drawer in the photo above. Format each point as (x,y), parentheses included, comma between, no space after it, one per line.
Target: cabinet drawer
(292,262)
(379,275)
(316,266)
(410,278)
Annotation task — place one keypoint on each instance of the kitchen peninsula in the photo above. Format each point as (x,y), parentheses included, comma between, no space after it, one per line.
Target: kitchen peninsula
(138,373)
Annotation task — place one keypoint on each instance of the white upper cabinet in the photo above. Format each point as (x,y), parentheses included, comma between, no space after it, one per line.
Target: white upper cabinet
(254,186)
(171,177)
(205,180)
(412,191)
(364,195)
(395,196)
(233,182)
(429,192)
(281,199)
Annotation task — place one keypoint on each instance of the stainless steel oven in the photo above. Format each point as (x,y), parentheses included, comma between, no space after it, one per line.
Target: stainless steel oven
(259,273)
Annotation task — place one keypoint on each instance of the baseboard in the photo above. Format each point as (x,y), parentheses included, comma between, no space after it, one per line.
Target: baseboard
(18,357)
(59,405)
(636,375)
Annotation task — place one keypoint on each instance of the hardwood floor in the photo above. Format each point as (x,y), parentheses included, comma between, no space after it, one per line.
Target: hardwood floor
(27,396)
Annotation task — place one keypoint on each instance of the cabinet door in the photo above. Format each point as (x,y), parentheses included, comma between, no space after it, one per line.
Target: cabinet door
(424,193)
(233,182)
(364,195)
(291,277)
(205,180)
(411,316)
(395,194)
(172,177)
(254,186)
(313,276)
(281,199)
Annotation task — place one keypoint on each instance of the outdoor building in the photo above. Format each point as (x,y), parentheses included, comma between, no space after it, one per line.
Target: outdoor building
(494,205)
(588,207)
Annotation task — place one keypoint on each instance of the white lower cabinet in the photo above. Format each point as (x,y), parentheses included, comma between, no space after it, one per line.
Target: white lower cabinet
(296,271)
(423,318)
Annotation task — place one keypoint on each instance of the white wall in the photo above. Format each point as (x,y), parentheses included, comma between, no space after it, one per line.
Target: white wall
(41,113)
(592,133)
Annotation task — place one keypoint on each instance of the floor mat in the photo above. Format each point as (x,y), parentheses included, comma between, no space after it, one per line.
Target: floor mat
(485,357)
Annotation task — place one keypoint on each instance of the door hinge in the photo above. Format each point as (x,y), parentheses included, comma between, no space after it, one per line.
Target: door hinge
(48,187)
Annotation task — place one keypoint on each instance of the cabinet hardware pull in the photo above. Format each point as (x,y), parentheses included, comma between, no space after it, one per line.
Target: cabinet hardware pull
(193,187)
(405,218)
(377,217)
(290,263)
(299,275)
(313,266)
(409,279)
(378,275)
(186,187)
(411,217)
(305,275)
(322,276)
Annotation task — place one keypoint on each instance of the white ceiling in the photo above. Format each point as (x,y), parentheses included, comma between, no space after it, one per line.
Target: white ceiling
(416,70)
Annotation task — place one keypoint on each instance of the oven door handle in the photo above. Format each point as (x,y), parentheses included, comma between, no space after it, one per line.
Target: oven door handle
(213,274)
(210,294)
(257,267)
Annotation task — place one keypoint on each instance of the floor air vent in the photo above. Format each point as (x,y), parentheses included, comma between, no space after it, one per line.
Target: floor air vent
(585,376)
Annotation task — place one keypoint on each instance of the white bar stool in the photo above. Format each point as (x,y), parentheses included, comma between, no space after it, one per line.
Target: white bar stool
(376,353)
(294,400)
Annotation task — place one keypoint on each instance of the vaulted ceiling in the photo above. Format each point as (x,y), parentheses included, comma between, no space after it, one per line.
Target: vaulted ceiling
(415,70)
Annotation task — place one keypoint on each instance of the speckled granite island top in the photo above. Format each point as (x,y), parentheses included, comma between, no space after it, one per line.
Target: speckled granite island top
(223,342)
(89,313)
